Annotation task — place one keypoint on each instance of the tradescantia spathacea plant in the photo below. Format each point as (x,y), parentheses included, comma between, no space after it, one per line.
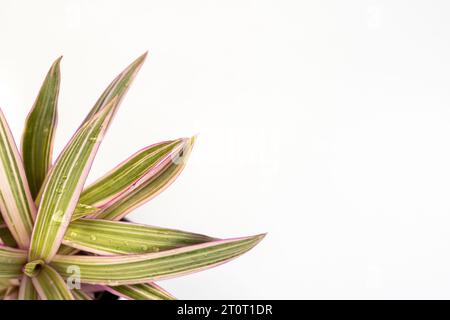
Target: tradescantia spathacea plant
(62,240)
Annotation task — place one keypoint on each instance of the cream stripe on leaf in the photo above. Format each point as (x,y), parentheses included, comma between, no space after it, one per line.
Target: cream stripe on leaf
(117,88)
(16,203)
(122,180)
(11,262)
(50,285)
(27,290)
(114,237)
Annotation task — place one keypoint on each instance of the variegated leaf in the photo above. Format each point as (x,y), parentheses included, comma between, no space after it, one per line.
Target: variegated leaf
(50,285)
(82,210)
(66,250)
(168,170)
(40,125)
(27,290)
(135,170)
(16,204)
(143,268)
(114,237)
(11,262)
(63,186)
(117,88)
(81,295)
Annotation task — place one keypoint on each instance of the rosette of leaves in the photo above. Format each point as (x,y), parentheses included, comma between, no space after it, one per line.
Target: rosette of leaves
(62,240)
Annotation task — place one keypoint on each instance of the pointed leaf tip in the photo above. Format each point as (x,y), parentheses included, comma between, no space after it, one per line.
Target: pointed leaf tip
(137,179)
(40,126)
(118,87)
(152,184)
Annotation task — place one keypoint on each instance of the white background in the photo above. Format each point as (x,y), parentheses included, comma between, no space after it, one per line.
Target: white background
(323,123)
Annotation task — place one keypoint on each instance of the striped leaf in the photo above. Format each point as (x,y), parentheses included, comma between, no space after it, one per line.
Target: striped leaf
(63,186)
(80,295)
(140,167)
(117,88)
(168,170)
(40,125)
(142,291)
(143,268)
(50,285)
(66,250)
(27,290)
(114,237)
(16,204)
(11,262)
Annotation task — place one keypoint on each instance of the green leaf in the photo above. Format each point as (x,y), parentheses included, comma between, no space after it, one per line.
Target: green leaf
(117,88)
(143,268)
(27,290)
(50,285)
(16,204)
(40,125)
(63,186)
(11,262)
(143,291)
(114,237)
(148,188)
